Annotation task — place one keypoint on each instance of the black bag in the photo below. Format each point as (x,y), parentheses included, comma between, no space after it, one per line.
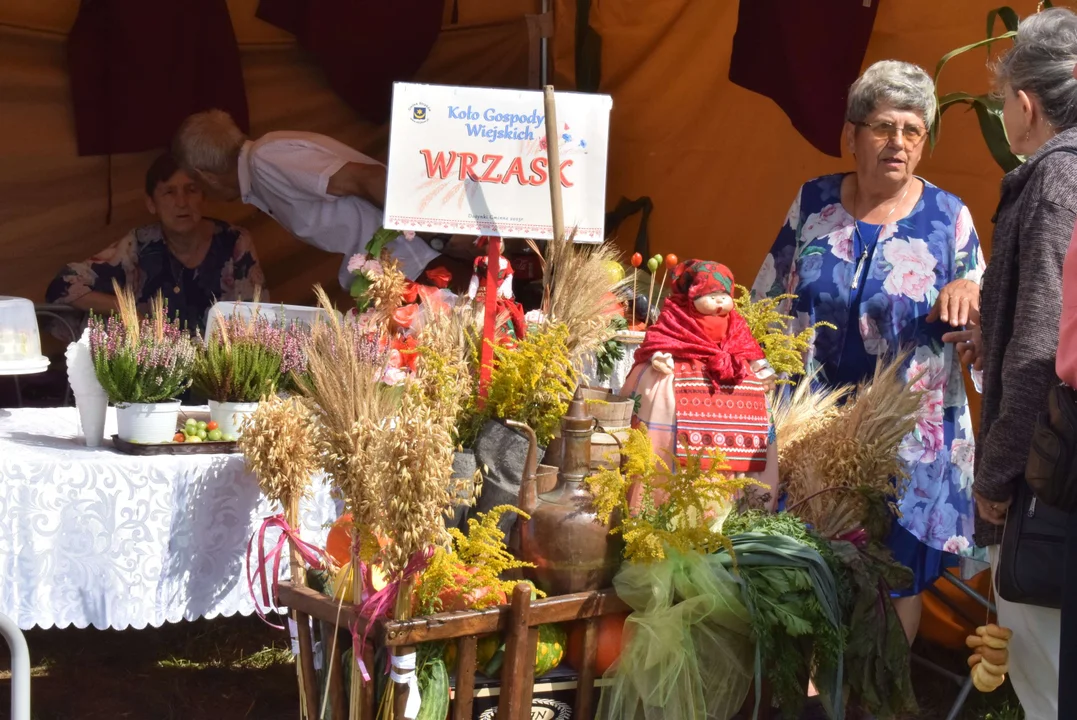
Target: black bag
(1032,559)
(1052,462)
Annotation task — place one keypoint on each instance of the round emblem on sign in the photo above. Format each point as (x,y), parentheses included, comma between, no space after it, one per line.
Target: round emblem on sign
(420,113)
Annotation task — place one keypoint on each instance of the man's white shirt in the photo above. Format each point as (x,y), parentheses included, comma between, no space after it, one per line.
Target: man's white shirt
(285,175)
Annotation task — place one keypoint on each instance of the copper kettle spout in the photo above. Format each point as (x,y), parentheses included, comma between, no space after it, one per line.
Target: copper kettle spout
(528,500)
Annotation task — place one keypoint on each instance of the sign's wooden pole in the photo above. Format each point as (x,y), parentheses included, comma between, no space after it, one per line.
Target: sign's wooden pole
(553,158)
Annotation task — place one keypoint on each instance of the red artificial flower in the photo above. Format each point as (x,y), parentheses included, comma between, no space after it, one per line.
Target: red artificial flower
(405,315)
(431,297)
(441,277)
(408,351)
(411,293)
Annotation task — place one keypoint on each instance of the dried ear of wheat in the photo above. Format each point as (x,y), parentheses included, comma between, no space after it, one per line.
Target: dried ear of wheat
(575,285)
(343,367)
(833,466)
(805,409)
(280,446)
(445,375)
(386,291)
(390,450)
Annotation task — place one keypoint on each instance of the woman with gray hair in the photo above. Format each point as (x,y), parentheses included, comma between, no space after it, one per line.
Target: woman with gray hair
(892,262)
(1022,305)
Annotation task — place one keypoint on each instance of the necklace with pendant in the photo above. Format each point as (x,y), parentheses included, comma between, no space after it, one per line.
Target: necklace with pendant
(177,272)
(856,231)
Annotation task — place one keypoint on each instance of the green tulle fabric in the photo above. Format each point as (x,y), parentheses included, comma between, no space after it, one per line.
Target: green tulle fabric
(689,654)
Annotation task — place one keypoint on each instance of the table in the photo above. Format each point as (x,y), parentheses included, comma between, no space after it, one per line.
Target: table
(89,536)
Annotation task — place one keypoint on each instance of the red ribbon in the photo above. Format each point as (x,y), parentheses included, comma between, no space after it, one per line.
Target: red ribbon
(486,364)
(312,555)
(380,605)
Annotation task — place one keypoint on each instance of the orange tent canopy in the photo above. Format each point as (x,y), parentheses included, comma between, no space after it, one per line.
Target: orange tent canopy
(721,164)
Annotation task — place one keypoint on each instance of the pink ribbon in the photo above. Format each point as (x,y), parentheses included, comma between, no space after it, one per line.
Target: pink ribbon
(380,605)
(311,555)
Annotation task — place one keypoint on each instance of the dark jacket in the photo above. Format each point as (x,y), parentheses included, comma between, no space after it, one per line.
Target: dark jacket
(1021,303)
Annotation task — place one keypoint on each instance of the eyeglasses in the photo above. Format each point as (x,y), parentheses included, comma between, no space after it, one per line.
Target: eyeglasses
(913,134)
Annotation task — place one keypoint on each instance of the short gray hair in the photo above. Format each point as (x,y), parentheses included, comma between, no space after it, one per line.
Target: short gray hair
(209,141)
(892,82)
(1041,63)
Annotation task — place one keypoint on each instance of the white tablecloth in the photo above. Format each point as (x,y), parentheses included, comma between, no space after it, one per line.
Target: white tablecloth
(90,536)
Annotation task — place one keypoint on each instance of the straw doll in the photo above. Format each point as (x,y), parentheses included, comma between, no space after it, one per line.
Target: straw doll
(702,379)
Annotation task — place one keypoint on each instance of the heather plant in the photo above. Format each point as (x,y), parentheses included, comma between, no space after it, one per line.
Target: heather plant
(141,360)
(248,358)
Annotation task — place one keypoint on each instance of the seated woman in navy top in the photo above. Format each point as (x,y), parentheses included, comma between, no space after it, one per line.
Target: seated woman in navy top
(193,261)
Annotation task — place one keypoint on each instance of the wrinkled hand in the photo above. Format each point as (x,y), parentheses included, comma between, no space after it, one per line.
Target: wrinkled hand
(968,344)
(957,304)
(992,511)
(663,363)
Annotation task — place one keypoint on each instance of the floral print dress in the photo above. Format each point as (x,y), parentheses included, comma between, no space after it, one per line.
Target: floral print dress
(902,267)
(141,260)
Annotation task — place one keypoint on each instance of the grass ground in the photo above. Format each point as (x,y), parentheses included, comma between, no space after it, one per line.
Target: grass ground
(234,668)
(210,669)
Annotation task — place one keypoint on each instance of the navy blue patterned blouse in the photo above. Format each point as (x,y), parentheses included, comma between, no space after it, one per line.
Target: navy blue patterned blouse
(142,260)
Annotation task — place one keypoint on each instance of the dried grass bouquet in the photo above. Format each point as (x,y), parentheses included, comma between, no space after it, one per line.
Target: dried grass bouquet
(389,449)
(839,462)
(577,291)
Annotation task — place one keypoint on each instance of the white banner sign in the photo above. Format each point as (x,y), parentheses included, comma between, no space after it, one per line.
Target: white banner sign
(473,161)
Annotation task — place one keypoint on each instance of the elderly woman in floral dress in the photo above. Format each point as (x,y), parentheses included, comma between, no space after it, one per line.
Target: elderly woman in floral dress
(892,262)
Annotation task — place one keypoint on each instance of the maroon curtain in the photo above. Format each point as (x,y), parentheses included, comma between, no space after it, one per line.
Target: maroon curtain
(363,46)
(139,67)
(803,56)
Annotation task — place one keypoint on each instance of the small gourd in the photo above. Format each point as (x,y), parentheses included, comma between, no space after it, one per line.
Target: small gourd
(991,656)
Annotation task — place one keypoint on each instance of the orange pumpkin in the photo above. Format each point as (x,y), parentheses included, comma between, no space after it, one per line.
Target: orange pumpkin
(610,638)
(339,542)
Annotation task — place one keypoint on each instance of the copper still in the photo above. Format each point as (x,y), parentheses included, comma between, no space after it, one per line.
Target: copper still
(571,550)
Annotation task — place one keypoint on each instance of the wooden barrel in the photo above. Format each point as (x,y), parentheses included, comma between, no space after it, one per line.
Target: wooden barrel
(613,412)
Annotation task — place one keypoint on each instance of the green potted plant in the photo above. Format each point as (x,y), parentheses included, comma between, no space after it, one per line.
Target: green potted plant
(245,359)
(144,365)
(988,106)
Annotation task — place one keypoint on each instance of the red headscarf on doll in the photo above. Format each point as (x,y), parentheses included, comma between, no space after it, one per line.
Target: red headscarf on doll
(679,332)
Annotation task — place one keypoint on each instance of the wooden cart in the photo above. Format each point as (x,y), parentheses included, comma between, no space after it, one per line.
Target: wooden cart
(517,622)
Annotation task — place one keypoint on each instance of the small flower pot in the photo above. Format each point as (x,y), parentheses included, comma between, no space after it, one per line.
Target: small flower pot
(147,422)
(230,416)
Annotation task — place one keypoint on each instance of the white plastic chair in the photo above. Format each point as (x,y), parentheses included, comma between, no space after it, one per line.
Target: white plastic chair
(20,668)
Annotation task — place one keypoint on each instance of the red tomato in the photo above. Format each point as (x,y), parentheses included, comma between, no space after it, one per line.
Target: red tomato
(637,259)
(671,261)
(211,425)
(179,437)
